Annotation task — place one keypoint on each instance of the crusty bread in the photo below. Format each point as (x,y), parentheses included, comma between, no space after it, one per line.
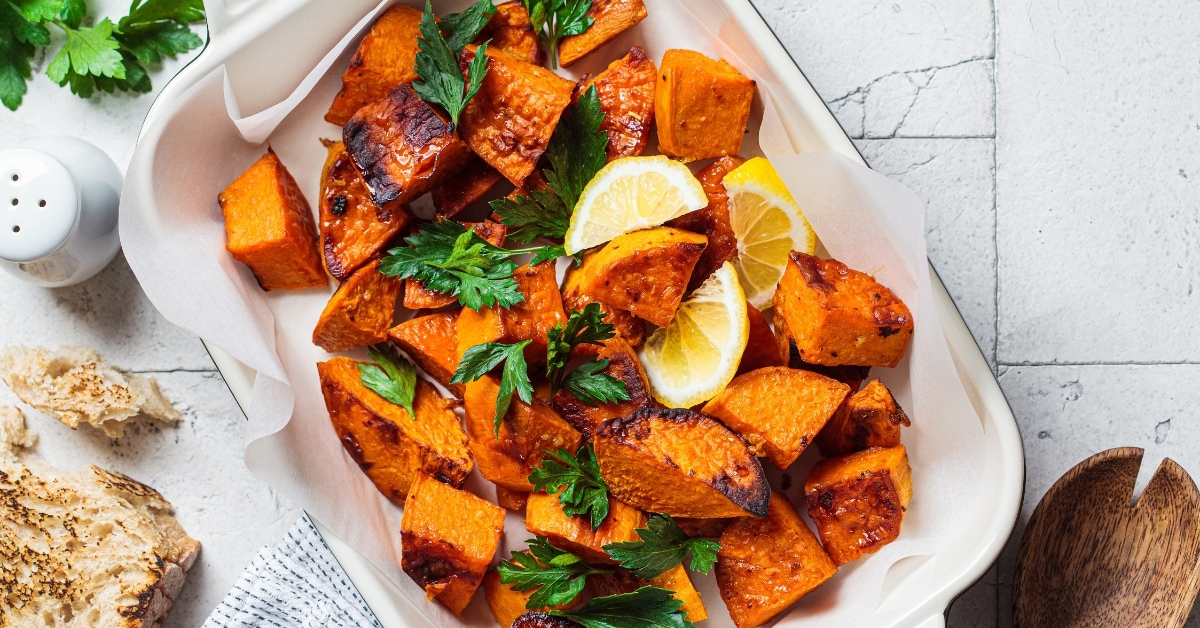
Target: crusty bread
(75,385)
(13,435)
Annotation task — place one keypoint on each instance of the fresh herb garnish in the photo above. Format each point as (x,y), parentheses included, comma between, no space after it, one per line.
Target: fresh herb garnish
(554,19)
(647,607)
(592,387)
(663,546)
(481,359)
(391,377)
(558,576)
(587,381)
(448,257)
(462,28)
(441,80)
(576,479)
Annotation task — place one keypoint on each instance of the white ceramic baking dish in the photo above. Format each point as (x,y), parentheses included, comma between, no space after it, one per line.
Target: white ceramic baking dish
(268,46)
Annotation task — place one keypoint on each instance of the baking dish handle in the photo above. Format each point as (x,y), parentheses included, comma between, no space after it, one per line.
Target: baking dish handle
(222,14)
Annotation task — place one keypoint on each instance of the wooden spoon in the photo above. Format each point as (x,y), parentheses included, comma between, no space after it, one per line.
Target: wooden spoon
(1089,558)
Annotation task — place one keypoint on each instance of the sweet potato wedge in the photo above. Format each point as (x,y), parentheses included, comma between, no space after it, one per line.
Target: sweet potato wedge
(403,147)
(766,565)
(418,297)
(448,538)
(526,433)
(676,581)
(530,319)
(712,220)
(762,348)
(510,30)
(780,408)
(868,418)
(469,185)
(644,273)
(359,312)
(839,316)
(682,463)
(538,619)
(390,446)
(352,227)
(701,105)
(510,120)
(510,499)
(857,501)
(620,581)
(624,365)
(628,327)
(269,227)
(506,603)
(432,342)
(612,17)
(544,516)
(709,528)
(383,61)
(626,93)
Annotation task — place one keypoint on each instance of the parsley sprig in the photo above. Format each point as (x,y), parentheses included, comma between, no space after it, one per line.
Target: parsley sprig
(577,481)
(558,576)
(462,28)
(437,65)
(663,546)
(554,19)
(647,607)
(586,381)
(391,377)
(481,359)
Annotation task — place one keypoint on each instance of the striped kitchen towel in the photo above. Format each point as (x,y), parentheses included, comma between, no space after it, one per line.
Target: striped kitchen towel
(297,583)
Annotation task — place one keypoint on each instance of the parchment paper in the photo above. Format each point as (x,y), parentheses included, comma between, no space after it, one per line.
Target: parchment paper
(174,239)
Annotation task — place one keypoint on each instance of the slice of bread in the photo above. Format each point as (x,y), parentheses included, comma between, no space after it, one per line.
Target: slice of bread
(13,435)
(75,385)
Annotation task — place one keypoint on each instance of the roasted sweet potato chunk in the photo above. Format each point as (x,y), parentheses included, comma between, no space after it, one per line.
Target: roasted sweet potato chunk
(418,297)
(388,444)
(612,17)
(644,273)
(626,93)
(624,365)
(779,408)
(530,319)
(359,312)
(765,565)
(510,30)
(712,220)
(269,227)
(628,327)
(682,463)
(506,603)
(432,342)
(858,501)
(470,185)
(353,228)
(448,538)
(710,528)
(403,147)
(537,619)
(510,120)
(868,418)
(762,348)
(676,581)
(385,59)
(509,499)
(838,316)
(701,106)
(544,516)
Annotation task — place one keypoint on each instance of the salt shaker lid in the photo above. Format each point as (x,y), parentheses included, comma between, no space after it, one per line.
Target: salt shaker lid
(39,204)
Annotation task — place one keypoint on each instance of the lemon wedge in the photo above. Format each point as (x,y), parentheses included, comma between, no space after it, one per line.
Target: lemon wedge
(768,224)
(694,357)
(630,194)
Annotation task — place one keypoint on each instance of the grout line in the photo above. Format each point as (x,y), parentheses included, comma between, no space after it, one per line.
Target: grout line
(1105,363)
(996,198)
(927,137)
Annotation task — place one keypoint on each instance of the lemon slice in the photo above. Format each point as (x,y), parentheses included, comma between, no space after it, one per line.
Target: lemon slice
(768,224)
(694,357)
(630,194)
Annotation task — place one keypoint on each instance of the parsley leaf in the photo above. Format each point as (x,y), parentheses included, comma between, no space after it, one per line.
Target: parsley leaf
(577,481)
(554,19)
(663,546)
(73,12)
(151,11)
(558,576)
(15,53)
(88,51)
(463,27)
(585,381)
(647,607)
(391,377)
(592,387)
(481,359)
(539,215)
(447,257)
(441,79)
(40,10)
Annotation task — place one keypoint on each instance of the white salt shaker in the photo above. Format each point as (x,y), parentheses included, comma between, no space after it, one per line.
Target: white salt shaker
(58,210)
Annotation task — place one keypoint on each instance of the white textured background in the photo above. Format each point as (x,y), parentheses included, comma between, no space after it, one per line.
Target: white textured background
(1056,143)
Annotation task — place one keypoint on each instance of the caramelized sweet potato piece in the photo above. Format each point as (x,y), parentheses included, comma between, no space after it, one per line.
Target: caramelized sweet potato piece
(612,17)
(644,273)
(510,30)
(544,516)
(403,147)
(269,227)
(781,408)
(765,565)
(836,316)
(701,106)
(712,220)
(510,120)
(418,297)
(353,228)
(470,185)
(762,349)
(537,619)
(629,328)
(624,365)
(388,444)
(626,93)
(506,603)
(359,312)
(682,463)
(510,499)
(852,376)
(620,581)
(676,581)
(432,342)
(530,319)
(448,538)
(868,418)
(526,433)
(857,501)
(384,60)
(710,528)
